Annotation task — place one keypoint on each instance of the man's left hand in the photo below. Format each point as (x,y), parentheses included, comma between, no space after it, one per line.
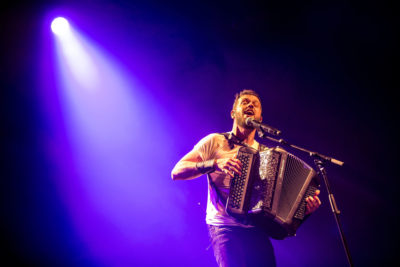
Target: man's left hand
(313,203)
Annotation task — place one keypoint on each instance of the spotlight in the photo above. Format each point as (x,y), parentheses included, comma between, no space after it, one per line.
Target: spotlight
(60,26)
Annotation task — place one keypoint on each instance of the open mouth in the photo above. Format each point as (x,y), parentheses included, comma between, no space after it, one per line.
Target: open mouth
(249,112)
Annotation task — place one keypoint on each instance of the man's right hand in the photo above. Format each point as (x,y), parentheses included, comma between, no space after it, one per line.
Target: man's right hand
(230,166)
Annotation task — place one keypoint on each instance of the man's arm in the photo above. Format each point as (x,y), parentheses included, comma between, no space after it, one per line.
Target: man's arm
(187,168)
(191,166)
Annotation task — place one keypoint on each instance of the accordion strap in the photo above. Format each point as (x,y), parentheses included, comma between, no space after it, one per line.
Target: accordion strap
(234,140)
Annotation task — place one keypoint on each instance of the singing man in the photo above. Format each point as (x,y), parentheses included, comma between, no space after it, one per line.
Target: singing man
(234,243)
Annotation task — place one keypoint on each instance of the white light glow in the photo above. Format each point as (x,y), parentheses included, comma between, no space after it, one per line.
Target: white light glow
(60,26)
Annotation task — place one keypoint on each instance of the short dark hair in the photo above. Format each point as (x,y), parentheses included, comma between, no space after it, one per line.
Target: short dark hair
(244,92)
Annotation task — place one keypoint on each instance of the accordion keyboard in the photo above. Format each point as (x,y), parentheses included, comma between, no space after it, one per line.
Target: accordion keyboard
(240,184)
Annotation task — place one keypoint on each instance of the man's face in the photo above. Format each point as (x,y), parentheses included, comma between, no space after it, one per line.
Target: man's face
(247,106)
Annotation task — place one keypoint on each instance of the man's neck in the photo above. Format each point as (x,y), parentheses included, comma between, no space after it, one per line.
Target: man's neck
(245,135)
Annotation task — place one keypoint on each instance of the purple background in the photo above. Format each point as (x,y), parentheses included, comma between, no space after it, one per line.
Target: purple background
(87,172)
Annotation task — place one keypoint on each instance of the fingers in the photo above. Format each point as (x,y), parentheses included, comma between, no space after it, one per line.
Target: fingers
(235,166)
(232,169)
(232,166)
(313,202)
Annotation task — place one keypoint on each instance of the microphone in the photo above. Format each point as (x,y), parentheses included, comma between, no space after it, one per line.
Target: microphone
(262,126)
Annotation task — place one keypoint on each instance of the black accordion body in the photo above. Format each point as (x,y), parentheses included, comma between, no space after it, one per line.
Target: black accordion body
(271,191)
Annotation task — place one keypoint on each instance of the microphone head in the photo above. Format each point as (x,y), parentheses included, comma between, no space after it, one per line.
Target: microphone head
(248,121)
(251,122)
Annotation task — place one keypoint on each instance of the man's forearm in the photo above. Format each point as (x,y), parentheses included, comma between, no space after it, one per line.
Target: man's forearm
(186,170)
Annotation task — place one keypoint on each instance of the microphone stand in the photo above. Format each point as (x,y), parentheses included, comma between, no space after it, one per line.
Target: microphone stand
(320,161)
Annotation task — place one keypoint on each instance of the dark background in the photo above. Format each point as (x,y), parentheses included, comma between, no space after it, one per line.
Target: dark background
(324,69)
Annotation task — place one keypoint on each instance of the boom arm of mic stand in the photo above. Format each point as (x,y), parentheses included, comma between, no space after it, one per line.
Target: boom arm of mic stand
(311,153)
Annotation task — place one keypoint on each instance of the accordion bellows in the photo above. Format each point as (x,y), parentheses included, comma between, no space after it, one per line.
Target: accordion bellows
(271,191)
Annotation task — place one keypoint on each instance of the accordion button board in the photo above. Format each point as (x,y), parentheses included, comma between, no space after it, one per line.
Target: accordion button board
(241,185)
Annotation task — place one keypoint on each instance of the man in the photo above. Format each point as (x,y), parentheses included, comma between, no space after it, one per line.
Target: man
(234,243)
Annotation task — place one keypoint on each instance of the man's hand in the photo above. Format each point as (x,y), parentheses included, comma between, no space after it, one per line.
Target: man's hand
(229,166)
(313,203)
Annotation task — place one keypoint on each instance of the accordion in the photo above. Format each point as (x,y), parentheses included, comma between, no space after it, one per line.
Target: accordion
(271,191)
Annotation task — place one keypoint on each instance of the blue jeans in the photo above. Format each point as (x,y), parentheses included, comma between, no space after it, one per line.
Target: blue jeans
(238,247)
